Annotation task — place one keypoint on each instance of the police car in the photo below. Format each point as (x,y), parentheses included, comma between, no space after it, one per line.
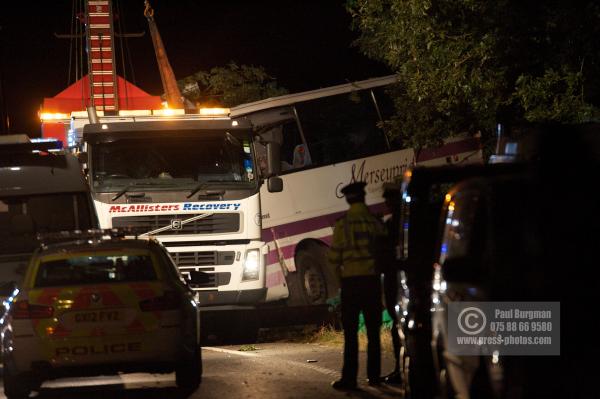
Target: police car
(100,304)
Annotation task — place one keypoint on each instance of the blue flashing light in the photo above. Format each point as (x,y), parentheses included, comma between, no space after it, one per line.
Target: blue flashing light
(444,248)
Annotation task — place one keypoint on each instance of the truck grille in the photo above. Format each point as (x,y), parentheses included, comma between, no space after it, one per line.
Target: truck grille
(205,277)
(199,279)
(216,223)
(204,258)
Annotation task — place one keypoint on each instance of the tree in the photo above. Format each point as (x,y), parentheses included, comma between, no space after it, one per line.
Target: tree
(230,86)
(465,65)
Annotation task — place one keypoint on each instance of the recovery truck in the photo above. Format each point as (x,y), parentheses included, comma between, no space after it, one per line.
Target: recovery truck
(190,181)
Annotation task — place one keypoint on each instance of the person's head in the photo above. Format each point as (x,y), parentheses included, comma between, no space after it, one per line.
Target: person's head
(354,192)
(391,195)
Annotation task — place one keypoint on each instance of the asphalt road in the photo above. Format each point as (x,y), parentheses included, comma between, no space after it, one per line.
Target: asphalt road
(273,370)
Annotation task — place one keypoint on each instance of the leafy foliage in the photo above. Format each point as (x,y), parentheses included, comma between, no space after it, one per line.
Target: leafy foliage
(230,86)
(554,96)
(464,65)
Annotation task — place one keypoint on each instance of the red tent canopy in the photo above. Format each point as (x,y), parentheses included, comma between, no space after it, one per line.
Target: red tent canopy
(77,97)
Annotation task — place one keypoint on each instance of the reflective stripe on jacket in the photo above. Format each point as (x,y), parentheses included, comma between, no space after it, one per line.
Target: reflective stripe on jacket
(355,239)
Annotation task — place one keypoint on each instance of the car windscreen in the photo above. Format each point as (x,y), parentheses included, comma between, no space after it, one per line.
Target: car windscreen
(95,269)
(167,163)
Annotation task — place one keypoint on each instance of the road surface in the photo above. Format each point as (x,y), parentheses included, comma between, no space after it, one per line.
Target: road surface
(274,370)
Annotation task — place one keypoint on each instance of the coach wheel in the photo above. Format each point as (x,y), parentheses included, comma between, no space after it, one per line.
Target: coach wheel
(313,283)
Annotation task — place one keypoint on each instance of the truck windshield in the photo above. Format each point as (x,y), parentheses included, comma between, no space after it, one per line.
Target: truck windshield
(167,163)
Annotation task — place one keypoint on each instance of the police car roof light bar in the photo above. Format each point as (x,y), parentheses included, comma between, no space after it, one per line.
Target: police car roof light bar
(46,146)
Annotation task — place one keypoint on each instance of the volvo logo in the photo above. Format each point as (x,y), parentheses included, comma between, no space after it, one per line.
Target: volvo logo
(176,224)
(95,297)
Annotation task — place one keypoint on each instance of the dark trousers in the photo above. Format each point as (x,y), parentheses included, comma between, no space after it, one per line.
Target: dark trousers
(361,294)
(390,290)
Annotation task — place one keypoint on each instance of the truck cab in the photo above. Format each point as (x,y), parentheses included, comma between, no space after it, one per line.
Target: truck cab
(191,182)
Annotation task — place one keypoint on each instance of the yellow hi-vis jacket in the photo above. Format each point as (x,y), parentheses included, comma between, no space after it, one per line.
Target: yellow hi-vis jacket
(355,239)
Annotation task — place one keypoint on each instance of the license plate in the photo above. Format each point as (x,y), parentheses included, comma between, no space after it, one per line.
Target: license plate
(92,318)
(101,316)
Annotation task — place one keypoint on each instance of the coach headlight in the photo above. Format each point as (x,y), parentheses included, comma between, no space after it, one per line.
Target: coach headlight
(251,265)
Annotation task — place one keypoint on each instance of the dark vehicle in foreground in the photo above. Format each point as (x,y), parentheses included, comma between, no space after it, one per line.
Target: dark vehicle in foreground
(41,191)
(529,237)
(490,250)
(423,194)
(100,305)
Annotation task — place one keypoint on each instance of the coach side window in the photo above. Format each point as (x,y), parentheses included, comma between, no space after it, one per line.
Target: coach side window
(342,127)
(387,110)
(294,152)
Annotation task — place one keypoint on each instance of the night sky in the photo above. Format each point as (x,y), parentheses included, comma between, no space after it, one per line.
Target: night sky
(304,44)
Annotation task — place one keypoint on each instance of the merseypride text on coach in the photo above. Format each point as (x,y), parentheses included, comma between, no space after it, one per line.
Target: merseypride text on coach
(188,206)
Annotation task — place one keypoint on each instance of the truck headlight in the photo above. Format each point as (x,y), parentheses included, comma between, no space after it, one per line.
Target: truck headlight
(251,265)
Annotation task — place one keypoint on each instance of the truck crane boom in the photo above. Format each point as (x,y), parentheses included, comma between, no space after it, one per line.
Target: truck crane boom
(172,93)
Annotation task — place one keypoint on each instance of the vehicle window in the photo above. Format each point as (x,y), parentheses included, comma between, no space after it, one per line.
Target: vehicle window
(340,128)
(95,269)
(460,217)
(427,218)
(294,152)
(165,162)
(22,217)
(387,110)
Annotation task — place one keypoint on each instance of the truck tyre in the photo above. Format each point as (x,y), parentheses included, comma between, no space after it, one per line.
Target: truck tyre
(312,283)
(188,374)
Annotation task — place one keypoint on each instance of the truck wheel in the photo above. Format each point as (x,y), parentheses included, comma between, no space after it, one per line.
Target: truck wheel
(311,284)
(188,374)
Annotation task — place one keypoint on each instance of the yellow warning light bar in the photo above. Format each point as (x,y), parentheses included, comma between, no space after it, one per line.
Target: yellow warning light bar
(48,116)
(84,114)
(214,111)
(134,112)
(168,112)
